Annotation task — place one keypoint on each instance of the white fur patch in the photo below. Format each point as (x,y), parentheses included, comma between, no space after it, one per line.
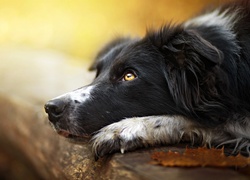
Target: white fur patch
(79,95)
(215,18)
(141,131)
(225,20)
(241,133)
(238,129)
(132,133)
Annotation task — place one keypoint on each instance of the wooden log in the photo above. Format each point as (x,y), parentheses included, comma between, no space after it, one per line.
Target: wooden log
(29,79)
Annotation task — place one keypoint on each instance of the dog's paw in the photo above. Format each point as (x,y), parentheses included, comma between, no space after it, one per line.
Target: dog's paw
(121,136)
(133,133)
(102,146)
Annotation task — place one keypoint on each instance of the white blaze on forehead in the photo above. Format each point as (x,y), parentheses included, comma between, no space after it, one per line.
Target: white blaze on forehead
(79,95)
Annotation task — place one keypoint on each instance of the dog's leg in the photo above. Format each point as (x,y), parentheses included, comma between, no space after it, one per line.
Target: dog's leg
(133,133)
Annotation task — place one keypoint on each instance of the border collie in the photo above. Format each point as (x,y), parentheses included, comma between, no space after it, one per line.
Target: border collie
(187,82)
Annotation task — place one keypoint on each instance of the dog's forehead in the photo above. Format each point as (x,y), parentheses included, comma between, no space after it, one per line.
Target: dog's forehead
(117,52)
(108,54)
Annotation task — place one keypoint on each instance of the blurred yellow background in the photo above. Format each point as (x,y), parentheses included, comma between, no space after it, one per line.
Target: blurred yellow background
(80,27)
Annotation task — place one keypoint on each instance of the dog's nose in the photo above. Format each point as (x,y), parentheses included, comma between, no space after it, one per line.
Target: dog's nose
(55,108)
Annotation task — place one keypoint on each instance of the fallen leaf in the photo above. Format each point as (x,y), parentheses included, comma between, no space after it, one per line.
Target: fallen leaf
(201,156)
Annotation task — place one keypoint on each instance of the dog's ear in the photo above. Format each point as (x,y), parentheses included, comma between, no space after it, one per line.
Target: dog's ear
(185,47)
(191,66)
(189,48)
(106,49)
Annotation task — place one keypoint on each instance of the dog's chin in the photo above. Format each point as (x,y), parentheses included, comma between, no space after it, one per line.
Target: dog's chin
(72,137)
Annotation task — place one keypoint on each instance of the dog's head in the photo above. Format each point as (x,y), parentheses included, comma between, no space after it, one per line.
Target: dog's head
(162,73)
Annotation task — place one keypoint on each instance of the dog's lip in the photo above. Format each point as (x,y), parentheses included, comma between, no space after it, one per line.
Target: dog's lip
(67,134)
(63,133)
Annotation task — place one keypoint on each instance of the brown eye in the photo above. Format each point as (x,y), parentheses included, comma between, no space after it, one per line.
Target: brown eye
(129,76)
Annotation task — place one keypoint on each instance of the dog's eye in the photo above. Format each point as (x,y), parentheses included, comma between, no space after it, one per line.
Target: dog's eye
(129,76)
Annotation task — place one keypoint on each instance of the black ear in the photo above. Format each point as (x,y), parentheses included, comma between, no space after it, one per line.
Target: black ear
(192,68)
(189,48)
(106,49)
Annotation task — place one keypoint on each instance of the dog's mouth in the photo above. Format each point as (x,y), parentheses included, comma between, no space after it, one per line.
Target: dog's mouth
(78,138)
(75,138)
(81,138)
(69,135)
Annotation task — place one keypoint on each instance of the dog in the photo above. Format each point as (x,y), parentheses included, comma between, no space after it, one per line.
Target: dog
(181,83)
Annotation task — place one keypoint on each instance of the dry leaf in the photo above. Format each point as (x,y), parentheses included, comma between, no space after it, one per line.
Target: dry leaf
(199,157)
